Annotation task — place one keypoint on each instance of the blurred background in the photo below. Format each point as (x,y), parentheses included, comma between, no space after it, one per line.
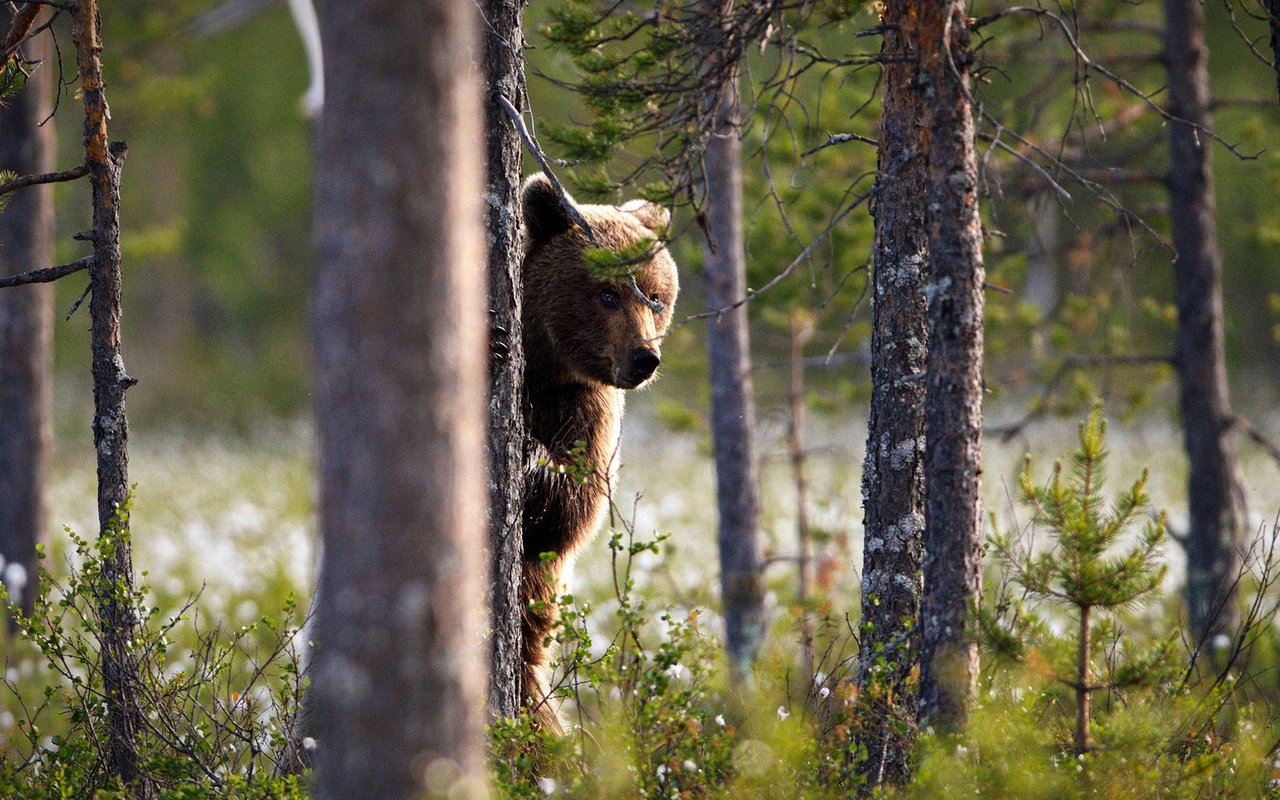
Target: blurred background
(217,232)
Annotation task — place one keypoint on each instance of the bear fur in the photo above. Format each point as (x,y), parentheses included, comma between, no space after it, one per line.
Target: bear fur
(586,340)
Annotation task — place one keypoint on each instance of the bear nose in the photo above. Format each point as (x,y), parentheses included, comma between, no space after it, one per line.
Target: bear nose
(643,362)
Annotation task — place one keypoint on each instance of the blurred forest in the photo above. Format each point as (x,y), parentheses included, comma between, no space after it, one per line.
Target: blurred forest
(217,219)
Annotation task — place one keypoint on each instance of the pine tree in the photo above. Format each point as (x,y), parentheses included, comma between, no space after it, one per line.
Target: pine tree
(1092,566)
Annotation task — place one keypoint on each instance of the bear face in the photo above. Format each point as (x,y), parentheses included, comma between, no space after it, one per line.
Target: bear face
(582,328)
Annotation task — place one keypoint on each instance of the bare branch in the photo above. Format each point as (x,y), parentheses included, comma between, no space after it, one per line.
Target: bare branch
(1070,362)
(838,138)
(536,150)
(1261,439)
(22,22)
(46,275)
(48,177)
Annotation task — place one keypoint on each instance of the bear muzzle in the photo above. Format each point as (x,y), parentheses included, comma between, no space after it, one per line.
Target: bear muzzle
(641,365)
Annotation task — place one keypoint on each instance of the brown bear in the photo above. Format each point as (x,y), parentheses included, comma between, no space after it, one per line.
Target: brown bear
(586,339)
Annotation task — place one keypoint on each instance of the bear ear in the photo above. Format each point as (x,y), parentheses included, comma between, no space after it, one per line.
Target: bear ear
(543,214)
(651,215)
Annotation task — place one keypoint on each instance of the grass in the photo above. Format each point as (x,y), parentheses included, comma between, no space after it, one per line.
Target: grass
(231,517)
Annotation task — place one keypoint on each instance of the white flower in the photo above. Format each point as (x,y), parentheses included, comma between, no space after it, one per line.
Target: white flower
(720,720)
(689,766)
(547,785)
(308,743)
(1221,642)
(783,713)
(824,693)
(662,772)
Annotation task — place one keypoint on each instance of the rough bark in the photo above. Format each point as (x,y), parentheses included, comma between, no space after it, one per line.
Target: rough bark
(504,77)
(110,426)
(893,470)
(1214,491)
(953,388)
(732,404)
(400,672)
(26,328)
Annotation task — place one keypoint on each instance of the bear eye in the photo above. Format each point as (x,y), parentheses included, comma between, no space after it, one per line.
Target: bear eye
(609,299)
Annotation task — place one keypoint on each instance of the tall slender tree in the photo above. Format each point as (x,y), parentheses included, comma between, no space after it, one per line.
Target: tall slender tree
(400,673)
(504,79)
(26,324)
(1214,483)
(953,388)
(729,357)
(893,472)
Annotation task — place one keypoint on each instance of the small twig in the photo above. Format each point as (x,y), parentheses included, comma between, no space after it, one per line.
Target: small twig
(565,201)
(1261,439)
(838,138)
(76,305)
(46,275)
(790,268)
(48,177)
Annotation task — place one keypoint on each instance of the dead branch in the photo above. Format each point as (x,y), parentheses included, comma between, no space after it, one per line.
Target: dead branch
(1271,446)
(22,22)
(47,275)
(1070,362)
(48,177)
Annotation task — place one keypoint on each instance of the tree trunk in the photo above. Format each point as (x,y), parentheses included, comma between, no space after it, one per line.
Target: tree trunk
(1083,679)
(953,389)
(26,328)
(400,672)
(893,472)
(110,426)
(801,333)
(504,76)
(1272,8)
(1214,490)
(732,405)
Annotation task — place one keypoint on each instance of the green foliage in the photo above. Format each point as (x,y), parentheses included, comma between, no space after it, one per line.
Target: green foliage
(218,708)
(616,265)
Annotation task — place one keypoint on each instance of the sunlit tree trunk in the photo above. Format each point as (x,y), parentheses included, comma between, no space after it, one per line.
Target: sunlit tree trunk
(26,326)
(953,389)
(732,404)
(504,76)
(400,671)
(1214,485)
(893,470)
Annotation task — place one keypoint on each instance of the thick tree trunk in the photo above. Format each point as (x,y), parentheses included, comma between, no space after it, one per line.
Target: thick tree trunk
(1214,492)
(26,327)
(110,426)
(732,404)
(504,76)
(893,472)
(400,672)
(953,389)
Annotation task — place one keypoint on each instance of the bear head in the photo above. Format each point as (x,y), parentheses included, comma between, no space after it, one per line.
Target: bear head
(582,327)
